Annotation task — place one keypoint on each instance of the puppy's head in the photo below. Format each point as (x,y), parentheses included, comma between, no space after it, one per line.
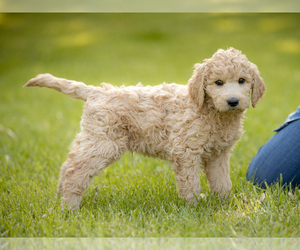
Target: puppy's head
(227,78)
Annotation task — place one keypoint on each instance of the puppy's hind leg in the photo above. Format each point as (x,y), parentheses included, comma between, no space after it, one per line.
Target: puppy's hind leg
(77,178)
(68,163)
(86,162)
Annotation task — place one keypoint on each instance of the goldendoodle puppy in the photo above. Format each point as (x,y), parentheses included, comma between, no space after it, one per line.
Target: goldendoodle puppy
(189,125)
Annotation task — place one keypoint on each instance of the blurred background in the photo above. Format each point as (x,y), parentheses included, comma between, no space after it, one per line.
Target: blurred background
(149,6)
(129,48)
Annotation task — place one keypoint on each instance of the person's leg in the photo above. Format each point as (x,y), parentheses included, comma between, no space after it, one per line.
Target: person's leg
(279,156)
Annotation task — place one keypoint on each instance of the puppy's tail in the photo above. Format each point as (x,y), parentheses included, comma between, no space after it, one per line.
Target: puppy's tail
(77,90)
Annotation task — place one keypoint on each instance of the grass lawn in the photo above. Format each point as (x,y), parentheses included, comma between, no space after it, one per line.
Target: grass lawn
(137,196)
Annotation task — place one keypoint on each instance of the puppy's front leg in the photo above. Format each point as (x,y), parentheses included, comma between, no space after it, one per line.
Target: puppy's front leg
(187,178)
(217,172)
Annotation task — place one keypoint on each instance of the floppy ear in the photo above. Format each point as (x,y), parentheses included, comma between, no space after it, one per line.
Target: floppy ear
(258,86)
(196,84)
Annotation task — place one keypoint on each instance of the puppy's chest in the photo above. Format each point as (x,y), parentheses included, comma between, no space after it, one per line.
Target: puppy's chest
(224,137)
(211,136)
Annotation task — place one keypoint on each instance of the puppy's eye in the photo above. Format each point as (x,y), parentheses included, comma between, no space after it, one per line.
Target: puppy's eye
(241,80)
(219,83)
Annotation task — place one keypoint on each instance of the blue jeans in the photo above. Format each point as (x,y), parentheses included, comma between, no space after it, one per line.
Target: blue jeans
(280,156)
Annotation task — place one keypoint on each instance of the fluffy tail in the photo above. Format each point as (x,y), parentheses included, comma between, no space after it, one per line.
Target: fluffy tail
(77,90)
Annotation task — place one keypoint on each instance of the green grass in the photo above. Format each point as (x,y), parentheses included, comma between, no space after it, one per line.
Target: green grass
(137,196)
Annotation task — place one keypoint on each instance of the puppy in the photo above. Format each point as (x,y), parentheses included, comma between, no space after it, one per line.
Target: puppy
(189,125)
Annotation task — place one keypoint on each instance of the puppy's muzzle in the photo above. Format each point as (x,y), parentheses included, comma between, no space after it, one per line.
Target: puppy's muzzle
(233,102)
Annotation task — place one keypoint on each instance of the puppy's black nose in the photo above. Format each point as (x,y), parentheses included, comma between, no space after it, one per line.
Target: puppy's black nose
(232,102)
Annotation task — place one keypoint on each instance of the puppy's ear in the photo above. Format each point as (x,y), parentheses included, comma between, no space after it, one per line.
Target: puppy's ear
(258,86)
(196,84)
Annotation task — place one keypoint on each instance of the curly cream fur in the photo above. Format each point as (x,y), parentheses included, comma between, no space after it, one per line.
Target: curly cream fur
(189,125)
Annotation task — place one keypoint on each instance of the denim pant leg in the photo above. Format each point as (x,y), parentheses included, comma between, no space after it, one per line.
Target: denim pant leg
(279,156)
